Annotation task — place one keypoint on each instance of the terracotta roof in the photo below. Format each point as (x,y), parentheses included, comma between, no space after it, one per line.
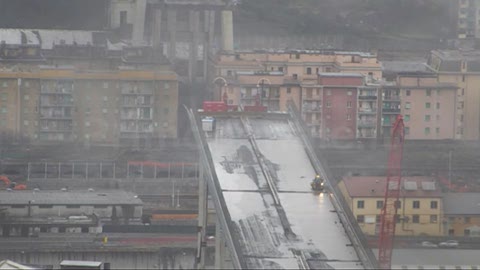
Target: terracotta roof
(374,186)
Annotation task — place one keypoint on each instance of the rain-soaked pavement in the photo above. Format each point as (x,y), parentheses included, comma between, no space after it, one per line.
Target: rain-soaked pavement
(260,226)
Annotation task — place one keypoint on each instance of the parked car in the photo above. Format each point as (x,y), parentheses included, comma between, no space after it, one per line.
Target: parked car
(428,244)
(449,244)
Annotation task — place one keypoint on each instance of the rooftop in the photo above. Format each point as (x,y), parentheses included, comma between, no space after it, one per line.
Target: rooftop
(403,66)
(72,197)
(313,51)
(340,74)
(374,186)
(462,203)
(458,54)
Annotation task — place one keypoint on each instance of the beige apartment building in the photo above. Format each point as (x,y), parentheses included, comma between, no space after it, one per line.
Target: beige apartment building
(461,68)
(427,106)
(101,97)
(273,78)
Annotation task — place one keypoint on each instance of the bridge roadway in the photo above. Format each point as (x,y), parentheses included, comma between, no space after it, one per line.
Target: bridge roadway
(304,223)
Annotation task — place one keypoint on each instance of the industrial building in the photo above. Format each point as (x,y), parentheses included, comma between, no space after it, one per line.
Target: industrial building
(79,87)
(28,211)
(462,214)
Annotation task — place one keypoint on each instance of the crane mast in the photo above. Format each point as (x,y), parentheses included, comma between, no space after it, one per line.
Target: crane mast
(392,194)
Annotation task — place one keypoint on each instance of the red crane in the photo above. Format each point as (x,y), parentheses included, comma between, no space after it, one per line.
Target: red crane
(392,194)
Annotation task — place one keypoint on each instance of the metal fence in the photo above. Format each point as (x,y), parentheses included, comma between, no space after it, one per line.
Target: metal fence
(99,170)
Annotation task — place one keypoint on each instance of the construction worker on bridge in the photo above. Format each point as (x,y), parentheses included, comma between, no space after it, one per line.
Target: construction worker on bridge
(317,183)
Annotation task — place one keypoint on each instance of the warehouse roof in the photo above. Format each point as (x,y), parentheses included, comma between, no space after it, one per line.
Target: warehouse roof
(72,197)
(462,203)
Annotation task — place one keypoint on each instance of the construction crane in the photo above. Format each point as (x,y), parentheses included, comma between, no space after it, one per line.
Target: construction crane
(392,194)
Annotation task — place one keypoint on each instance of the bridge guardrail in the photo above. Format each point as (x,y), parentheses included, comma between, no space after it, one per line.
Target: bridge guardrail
(216,191)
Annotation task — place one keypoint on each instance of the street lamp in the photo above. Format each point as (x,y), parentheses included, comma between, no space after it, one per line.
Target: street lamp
(225,84)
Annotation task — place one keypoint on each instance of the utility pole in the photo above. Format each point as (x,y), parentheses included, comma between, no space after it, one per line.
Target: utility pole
(449,169)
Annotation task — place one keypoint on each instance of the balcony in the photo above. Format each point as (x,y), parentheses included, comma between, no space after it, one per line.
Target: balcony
(311,108)
(367,97)
(366,124)
(367,110)
(367,135)
(390,111)
(391,98)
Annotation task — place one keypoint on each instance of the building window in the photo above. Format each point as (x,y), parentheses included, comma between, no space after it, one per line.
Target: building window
(438,117)
(329,92)
(309,70)
(349,117)
(349,93)
(289,90)
(433,218)
(429,92)
(427,105)
(297,56)
(466,232)
(25,122)
(4,96)
(438,105)
(360,218)
(407,117)
(378,219)
(416,204)
(408,105)
(437,130)
(461,118)
(463,78)
(165,111)
(461,104)
(433,205)
(4,84)
(349,104)
(123,17)
(415,219)
(408,93)
(360,204)
(427,118)
(105,84)
(467,219)
(328,104)
(4,110)
(463,91)
(379,204)
(71,206)
(166,85)
(105,98)
(87,123)
(427,131)
(280,69)
(105,110)
(26,97)
(45,206)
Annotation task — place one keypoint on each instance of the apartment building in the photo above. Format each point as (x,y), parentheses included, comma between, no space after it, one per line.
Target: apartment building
(103,95)
(462,214)
(325,86)
(427,106)
(468,24)
(420,206)
(461,68)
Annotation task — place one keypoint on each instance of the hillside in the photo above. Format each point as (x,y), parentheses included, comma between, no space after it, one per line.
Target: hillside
(389,18)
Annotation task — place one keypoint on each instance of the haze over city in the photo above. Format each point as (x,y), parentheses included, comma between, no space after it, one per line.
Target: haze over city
(213,134)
